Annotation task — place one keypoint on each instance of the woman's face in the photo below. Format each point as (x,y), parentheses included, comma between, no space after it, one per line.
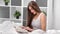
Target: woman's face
(32,10)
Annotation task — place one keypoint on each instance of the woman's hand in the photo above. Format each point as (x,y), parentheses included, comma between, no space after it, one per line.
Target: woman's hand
(27,28)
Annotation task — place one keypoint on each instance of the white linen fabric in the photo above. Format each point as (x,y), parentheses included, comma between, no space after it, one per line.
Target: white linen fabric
(38,31)
(7,28)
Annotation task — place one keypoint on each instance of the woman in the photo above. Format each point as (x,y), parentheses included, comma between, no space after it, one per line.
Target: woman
(36,19)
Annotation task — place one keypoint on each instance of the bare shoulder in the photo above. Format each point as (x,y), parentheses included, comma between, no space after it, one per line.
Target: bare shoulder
(42,15)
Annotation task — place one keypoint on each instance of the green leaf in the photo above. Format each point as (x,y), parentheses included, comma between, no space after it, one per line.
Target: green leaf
(17,13)
(7,1)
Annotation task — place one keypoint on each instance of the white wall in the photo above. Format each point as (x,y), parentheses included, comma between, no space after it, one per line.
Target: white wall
(57,14)
(50,15)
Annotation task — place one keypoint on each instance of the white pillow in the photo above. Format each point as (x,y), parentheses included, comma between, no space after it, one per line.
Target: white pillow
(51,32)
(57,31)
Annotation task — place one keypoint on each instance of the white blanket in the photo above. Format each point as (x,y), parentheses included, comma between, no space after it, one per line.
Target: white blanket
(7,28)
(47,32)
(38,31)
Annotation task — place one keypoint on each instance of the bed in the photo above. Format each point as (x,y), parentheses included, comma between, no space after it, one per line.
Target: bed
(7,28)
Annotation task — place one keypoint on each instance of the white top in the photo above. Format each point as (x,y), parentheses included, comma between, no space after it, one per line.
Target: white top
(36,24)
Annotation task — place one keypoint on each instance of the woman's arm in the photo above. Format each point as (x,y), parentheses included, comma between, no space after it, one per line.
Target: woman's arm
(43,22)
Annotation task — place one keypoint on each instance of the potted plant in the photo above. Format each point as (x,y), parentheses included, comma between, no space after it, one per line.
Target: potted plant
(17,14)
(6,2)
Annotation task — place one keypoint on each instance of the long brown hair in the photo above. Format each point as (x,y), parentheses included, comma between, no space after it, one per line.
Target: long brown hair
(34,6)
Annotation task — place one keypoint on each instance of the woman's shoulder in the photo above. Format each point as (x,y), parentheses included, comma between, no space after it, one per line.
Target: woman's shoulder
(42,14)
